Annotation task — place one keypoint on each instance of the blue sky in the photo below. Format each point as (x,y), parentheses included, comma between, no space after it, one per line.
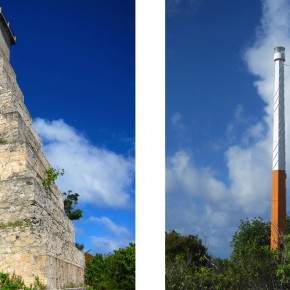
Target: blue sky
(75,64)
(219,95)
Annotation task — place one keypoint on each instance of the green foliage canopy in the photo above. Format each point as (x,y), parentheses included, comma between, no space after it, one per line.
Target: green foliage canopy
(70,202)
(189,247)
(79,246)
(51,176)
(252,265)
(114,271)
(250,233)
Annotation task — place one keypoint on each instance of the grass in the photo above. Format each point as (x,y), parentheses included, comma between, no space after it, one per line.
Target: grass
(2,141)
(15,224)
(14,282)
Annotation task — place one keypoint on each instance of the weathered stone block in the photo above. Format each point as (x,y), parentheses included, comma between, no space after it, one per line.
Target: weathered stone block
(36,237)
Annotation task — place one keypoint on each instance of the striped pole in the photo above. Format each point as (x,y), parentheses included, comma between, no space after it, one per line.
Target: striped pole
(278,220)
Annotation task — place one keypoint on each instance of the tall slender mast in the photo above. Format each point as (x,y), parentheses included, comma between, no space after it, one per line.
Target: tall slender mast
(278,220)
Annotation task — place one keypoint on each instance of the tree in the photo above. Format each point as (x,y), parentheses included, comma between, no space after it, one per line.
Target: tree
(188,266)
(79,246)
(178,274)
(120,267)
(252,263)
(189,247)
(114,271)
(70,202)
(282,258)
(250,231)
(95,272)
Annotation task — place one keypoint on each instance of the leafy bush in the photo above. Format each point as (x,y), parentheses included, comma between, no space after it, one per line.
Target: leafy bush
(70,199)
(70,202)
(51,176)
(14,282)
(189,247)
(252,265)
(79,246)
(112,272)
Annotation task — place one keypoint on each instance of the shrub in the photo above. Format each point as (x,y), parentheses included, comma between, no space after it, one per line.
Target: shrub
(112,272)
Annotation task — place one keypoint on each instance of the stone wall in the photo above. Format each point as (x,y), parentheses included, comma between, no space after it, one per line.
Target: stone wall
(44,244)
(4,42)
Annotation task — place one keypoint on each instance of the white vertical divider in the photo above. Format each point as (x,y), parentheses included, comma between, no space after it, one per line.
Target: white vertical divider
(150,144)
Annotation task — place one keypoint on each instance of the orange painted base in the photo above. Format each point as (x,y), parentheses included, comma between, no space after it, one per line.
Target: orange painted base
(278,220)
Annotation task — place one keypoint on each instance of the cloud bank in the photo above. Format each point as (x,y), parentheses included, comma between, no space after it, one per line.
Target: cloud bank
(197,201)
(101,177)
(117,236)
(118,231)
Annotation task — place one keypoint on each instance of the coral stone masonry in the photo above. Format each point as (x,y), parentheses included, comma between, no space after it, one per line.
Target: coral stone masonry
(36,237)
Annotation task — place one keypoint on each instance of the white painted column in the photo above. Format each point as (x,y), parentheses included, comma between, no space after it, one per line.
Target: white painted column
(279,116)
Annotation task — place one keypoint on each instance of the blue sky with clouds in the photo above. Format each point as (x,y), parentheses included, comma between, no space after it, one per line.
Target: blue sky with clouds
(75,64)
(219,97)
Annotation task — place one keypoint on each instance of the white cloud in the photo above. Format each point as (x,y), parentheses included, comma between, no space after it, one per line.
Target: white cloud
(79,231)
(100,176)
(118,231)
(116,237)
(188,190)
(197,201)
(178,125)
(104,245)
(176,119)
(182,174)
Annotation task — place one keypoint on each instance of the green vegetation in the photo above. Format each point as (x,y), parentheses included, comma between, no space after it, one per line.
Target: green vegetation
(2,141)
(51,176)
(71,285)
(14,282)
(70,202)
(115,271)
(252,264)
(79,246)
(38,285)
(70,199)
(15,224)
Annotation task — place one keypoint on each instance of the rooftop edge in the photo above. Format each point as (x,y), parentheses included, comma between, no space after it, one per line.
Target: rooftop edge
(7,28)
